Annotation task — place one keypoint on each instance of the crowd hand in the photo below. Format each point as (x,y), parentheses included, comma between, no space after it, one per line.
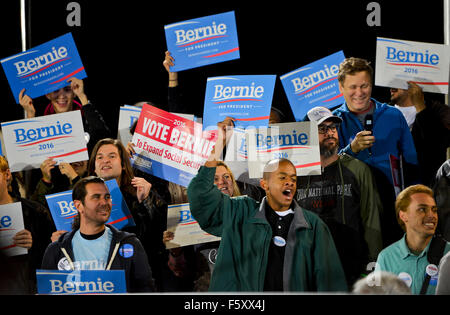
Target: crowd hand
(416,95)
(168,236)
(167,63)
(27,103)
(77,86)
(142,188)
(225,129)
(130,149)
(23,239)
(46,168)
(362,141)
(67,169)
(56,235)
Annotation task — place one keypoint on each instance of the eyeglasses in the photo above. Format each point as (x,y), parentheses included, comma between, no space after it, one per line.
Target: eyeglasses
(323,129)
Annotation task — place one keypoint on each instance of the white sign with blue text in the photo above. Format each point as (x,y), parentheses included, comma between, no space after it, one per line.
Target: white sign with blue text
(297,142)
(28,142)
(11,222)
(400,61)
(314,85)
(186,229)
(246,98)
(81,282)
(202,41)
(44,68)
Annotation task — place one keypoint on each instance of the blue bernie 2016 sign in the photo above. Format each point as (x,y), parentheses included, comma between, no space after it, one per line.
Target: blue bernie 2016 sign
(44,68)
(202,41)
(246,98)
(314,85)
(63,211)
(81,282)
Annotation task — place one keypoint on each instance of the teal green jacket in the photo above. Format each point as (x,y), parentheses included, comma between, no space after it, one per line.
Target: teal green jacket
(311,261)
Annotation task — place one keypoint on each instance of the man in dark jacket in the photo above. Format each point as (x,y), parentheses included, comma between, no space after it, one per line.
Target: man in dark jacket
(97,246)
(272,245)
(345,198)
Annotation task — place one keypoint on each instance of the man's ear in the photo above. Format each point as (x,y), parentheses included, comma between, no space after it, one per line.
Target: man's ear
(78,205)
(403,216)
(48,96)
(341,88)
(263,184)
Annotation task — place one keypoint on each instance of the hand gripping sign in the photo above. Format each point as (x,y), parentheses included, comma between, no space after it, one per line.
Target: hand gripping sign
(400,61)
(186,229)
(246,98)
(314,85)
(202,41)
(170,146)
(29,142)
(44,68)
(11,222)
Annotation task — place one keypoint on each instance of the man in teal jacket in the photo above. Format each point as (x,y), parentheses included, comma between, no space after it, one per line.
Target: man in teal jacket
(272,245)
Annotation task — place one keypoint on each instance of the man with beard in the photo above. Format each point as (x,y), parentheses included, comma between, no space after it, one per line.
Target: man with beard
(345,198)
(95,245)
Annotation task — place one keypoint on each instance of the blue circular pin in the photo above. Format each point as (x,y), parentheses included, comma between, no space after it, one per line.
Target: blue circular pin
(126,250)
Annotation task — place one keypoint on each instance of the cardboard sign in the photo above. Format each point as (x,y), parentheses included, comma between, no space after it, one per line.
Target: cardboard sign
(247,98)
(11,222)
(185,228)
(170,146)
(127,116)
(202,41)
(81,282)
(44,68)
(399,61)
(314,85)
(297,142)
(29,142)
(63,211)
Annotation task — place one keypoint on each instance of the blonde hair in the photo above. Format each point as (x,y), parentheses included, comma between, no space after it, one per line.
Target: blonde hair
(351,66)
(236,191)
(404,199)
(3,164)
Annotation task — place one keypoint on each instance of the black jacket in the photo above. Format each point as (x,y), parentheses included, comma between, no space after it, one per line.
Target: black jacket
(138,275)
(18,273)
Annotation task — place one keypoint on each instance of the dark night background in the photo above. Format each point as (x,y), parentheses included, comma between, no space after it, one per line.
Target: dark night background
(122,43)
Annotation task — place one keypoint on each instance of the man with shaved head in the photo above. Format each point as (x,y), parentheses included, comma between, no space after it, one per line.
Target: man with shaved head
(272,245)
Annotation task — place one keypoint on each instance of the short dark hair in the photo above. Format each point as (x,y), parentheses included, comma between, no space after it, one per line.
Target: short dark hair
(268,168)
(79,193)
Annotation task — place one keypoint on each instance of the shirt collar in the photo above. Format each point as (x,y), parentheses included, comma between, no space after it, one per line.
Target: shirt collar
(405,251)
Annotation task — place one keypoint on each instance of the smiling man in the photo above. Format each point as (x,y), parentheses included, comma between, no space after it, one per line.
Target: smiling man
(409,257)
(95,245)
(389,135)
(272,245)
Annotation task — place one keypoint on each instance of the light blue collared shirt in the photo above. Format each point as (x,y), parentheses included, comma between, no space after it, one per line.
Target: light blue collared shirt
(398,259)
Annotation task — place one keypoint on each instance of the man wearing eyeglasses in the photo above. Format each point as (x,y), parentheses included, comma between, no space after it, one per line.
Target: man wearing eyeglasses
(345,197)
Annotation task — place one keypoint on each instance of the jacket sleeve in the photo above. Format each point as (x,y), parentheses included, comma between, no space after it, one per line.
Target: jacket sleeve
(371,208)
(51,255)
(140,277)
(206,201)
(328,271)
